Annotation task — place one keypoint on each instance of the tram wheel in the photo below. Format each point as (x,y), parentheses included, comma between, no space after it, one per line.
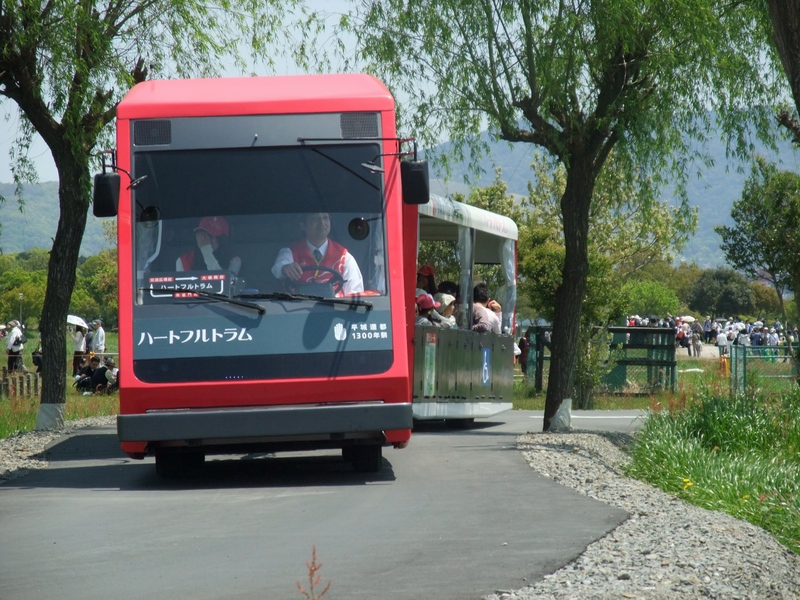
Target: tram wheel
(367,458)
(459,423)
(171,464)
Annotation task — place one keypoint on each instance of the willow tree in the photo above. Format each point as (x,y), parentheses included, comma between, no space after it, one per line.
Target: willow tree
(626,235)
(66,64)
(578,79)
(785,20)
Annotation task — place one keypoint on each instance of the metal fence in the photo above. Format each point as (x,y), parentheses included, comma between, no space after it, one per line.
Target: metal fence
(768,367)
(19,383)
(642,360)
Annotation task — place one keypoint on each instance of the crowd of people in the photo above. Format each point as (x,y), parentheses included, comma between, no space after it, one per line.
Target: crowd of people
(723,333)
(86,342)
(735,332)
(95,377)
(89,347)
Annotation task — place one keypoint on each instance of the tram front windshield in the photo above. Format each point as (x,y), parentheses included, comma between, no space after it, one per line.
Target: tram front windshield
(261,263)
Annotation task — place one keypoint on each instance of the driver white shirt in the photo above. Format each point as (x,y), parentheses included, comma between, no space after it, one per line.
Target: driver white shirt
(353,281)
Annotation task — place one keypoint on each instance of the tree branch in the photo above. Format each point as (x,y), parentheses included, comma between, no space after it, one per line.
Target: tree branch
(785,119)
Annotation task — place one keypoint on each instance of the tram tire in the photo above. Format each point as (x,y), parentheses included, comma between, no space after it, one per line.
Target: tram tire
(173,465)
(459,423)
(367,459)
(348,453)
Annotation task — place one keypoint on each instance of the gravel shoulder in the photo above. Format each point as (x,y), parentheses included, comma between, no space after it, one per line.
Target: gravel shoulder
(25,452)
(666,549)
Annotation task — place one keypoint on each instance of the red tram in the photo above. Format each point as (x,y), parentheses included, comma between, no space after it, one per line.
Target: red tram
(235,335)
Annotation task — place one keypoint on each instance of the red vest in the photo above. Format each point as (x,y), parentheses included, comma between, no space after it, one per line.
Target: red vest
(333,259)
(187,260)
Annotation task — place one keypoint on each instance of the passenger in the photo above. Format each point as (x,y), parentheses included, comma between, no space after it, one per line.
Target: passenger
(481,322)
(445,312)
(484,310)
(426,284)
(450,287)
(211,235)
(297,261)
(425,305)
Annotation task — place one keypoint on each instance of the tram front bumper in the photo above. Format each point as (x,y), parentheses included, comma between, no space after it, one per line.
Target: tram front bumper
(263,422)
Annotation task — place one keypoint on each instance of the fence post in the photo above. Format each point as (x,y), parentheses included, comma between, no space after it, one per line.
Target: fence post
(538,378)
(738,368)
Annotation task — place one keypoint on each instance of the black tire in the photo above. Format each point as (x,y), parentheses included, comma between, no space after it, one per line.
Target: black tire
(171,464)
(367,458)
(459,423)
(348,453)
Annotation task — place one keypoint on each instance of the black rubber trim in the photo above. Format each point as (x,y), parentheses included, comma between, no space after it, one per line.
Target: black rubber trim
(283,421)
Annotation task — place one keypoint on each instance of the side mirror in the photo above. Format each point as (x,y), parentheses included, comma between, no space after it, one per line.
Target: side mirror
(105,199)
(415,181)
(358,229)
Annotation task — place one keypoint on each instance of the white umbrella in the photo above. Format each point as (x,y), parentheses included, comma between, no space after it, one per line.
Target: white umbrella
(75,320)
(688,319)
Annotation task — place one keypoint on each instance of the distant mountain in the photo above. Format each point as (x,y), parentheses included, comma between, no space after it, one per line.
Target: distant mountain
(34,226)
(713,191)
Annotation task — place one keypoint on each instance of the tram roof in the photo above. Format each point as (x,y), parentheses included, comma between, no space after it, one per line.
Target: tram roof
(441,218)
(280,94)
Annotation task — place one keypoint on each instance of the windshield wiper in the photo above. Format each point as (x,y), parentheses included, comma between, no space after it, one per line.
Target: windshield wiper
(353,302)
(220,297)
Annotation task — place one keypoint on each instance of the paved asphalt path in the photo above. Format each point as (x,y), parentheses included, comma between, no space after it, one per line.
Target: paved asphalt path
(456,515)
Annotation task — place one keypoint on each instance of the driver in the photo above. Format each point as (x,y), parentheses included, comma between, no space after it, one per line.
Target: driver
(297,261)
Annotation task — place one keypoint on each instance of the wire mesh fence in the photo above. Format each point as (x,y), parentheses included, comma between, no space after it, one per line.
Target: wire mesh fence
(767,367)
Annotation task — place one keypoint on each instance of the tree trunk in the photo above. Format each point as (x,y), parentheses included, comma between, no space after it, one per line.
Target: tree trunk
(74,203)
(575,204)
(785,17)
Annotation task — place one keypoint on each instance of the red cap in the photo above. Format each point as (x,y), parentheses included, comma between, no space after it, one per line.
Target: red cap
(426,270)
(216,226)
(426,301)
